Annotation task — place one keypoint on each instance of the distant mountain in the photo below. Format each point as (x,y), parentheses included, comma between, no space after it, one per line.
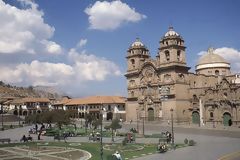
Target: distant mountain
(49,89)
(7,90)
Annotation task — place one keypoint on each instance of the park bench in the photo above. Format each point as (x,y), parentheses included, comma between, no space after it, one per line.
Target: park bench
(5,140)
(58,137)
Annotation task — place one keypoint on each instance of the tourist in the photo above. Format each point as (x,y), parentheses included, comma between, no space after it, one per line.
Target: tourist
(36,127)
(24,138)
(29,138)
(117,155)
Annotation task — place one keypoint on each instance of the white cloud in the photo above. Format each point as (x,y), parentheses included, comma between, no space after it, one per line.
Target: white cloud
(84,68)
(82,43)
(91,67)
(52,47)
(111,15)
(37,73)
(24,30)
(230,54)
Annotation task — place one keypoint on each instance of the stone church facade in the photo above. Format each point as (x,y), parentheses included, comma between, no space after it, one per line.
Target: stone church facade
(163,86)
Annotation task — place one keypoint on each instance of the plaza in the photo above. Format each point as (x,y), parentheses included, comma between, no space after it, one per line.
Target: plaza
(213,142)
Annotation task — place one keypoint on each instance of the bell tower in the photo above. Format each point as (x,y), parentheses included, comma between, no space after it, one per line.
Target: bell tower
(172,49)
(136,55)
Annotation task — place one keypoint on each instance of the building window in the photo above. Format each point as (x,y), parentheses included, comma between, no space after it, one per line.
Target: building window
(167,55)
(194,84)
(211,114)
(132,93)
(109,108)
(179,55)
(217,72)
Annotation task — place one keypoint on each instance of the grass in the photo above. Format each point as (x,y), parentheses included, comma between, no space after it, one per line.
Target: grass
(94,149)
(79,131)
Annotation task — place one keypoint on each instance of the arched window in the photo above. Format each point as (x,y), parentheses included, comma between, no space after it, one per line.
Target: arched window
(178,55)
(194,84)
(217,72)
(211,114)
(133,63)
(167,55)
(132,83)
(195,97)
(132,93)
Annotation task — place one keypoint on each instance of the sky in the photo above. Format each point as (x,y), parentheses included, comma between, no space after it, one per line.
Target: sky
(79,46)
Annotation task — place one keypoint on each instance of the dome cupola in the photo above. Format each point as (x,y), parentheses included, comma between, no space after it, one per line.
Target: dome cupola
(212,64)
(171,32)
(137,43)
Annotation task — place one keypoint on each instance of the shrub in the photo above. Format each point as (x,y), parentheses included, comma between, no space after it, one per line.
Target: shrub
(191,142)
(121,134)
(124,142)
(133,130)
(185,141)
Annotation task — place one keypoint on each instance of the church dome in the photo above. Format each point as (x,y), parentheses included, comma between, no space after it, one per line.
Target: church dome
(137,43)
(211,58)
(171,32)
(211,63)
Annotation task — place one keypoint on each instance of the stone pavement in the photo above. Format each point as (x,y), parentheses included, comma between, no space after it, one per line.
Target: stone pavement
(211,143)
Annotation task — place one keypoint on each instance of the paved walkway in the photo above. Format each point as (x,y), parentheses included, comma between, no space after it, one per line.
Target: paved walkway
(211,143)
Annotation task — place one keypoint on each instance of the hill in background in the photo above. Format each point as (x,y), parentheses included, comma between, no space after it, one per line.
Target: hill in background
(7,90)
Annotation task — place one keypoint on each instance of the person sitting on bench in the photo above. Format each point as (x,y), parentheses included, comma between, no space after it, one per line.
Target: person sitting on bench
(24,138)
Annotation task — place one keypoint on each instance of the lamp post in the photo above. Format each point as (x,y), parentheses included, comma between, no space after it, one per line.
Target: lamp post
(101,144)
(137,120)
(19,115)
(143,117)
(2,116)
(172,128)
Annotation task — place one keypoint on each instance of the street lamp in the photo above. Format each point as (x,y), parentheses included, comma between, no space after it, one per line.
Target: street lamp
(143,117)
(2,116)
(137,120)
(101,144)
(172,128)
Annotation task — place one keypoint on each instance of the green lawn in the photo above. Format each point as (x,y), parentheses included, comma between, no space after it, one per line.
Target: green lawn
(94,149)
(78,131)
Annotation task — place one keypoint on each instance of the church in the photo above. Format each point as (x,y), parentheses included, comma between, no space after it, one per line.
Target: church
(163,87)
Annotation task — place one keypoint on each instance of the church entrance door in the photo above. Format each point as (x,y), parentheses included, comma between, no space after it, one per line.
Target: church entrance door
(195,117)
(226,119)
(150,114)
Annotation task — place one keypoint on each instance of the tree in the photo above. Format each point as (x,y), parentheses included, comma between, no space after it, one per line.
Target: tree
(96,122)
(61,118)
(48,117)
(88,120)
(114,126)
(35,118)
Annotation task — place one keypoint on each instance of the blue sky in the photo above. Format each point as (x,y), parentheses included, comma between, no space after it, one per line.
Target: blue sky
(43,44)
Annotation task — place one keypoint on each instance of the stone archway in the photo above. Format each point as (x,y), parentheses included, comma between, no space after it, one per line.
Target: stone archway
(109,116)
(226,119)
(25,113)
(15,112)
(150,114)
(195,117)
